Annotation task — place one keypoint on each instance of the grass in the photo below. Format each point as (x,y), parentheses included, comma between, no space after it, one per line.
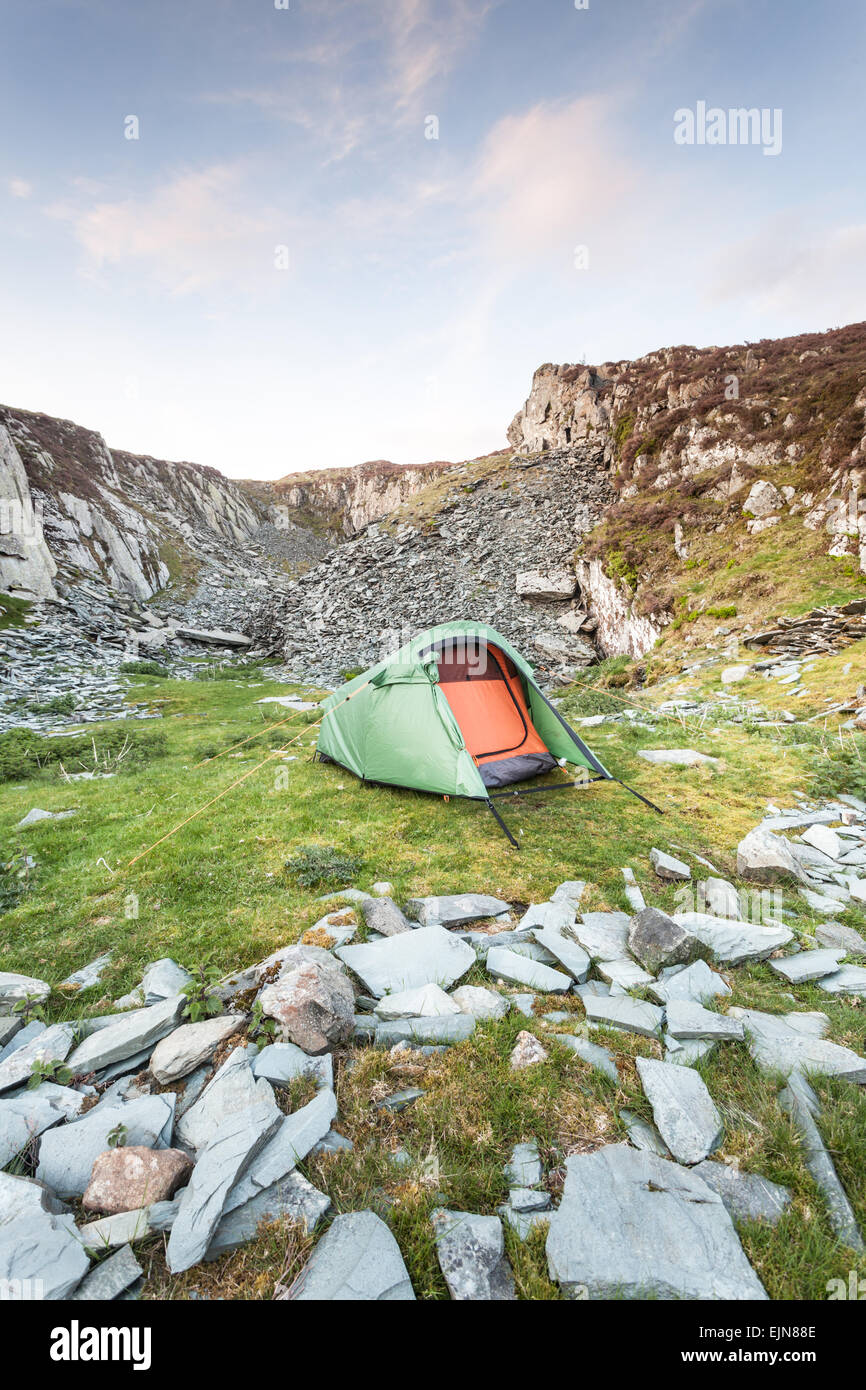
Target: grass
(13,611)
(217,894)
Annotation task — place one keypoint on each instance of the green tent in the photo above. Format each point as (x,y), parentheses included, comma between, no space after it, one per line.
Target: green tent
(456,711)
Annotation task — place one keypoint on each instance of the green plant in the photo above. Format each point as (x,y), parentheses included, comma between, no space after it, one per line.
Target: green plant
(144,668)
(262,1030)
(352,673)
(58,704)
(317,865)
(25,755)
(722,610)
(30,1007)
(15,878)
(48,1070)
(117,1137)
(202,1002)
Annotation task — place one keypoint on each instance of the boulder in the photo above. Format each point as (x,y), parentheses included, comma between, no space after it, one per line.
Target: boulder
(67,1155)
(428,955)
(633,1225)
(480,1002)
(190,1045)
(357,1260)
(764,857)
(313,1005)
(558,583)
(130,1177)
(683,1109)
(162,980)
(764,498)
(657,940)
(471,1254)
(384,916)
(850,979)
(527,1052)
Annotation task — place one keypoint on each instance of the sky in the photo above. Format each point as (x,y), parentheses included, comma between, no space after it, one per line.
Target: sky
(274,235)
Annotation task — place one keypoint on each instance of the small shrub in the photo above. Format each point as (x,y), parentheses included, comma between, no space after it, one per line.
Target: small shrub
(49,1070)
(25,755)
(144,668)
(202,1002)
(317,865)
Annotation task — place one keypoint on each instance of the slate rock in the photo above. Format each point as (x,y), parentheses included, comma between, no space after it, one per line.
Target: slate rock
(332,1143)
(747,1196)
(669,867)
(221,1163)
(719,897)
(656,940)
(314,1006)
(289,1145)
(428,1001)
(163,979)
(43,1251)
(128,1227)
(504,964)
(233,1088)
(627,974)
(190,1045)
(384,916)
(808,965)
(523,1169)
(675,757)
(846,938)
(523,1223)
(292,1199)
(524,1003)
(823,838)
(687,1020)
(683,1109)
(68,1101)
(50,1044)
(734,943)
(427,955)
(777,1047)
(526,1199)
(131,1176)
(14,988)
(527,1052)
(471,1254)
(480,1002)
(10,1024)
(454,910)
(109,1279)
(452,1028)
(633,1225)
(621,1011)
(288,958)
(684,1053)
(129,1037)
(643,1135)
(23,1119)
(697,982)
(566,952)
(799,1100)
(603,935)
(20,1196)
(357,1260)
(67,1155)
(569,892)
(598,1057)
(280,1063)
(552,917)
(21,1036)
(400,1100)
(764,857)
(850,979)
(88,975)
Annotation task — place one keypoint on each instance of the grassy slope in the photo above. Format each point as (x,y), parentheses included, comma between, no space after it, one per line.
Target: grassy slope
(217,892)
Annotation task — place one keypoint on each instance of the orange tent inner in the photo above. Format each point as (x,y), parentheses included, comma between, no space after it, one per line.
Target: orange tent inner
(488,703)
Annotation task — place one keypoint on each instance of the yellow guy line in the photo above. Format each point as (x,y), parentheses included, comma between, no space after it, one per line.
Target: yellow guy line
(278,754)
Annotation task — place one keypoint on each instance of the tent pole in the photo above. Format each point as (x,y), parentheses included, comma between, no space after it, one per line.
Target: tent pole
(651,804)
(502,824)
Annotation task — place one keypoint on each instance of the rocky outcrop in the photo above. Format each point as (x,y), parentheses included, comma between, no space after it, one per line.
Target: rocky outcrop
(619,629)
(108,514)
(27,567)
(345,500)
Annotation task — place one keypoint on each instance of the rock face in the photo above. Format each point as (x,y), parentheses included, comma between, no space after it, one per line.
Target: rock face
(314,1005)
(633,1225)
(128,1178)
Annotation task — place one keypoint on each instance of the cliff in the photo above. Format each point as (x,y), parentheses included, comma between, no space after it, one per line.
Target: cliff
(342,501)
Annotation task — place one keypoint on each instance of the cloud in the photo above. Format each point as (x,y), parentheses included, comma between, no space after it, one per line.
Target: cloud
(189,233)
(20,188)
(550,178)
(818,272)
